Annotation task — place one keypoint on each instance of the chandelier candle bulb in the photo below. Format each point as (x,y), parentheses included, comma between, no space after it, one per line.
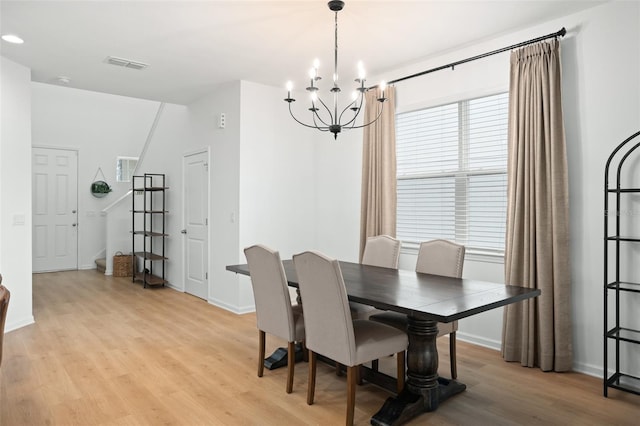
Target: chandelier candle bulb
(289,87)
(383,85)
(314,98)
(361,73)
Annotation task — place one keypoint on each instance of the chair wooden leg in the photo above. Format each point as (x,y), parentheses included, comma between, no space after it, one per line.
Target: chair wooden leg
(400,359)
(261,343)
(352,373)
(338,371)
(312,377)
(291,363)
(305,352)
(452,355)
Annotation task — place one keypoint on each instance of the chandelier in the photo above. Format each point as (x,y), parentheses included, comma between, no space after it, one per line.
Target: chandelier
(330,118)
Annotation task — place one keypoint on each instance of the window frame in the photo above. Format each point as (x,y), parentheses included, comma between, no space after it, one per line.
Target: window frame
(119,160)
(487,255)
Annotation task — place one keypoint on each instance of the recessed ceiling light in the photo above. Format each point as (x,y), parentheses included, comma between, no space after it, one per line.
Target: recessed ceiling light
(12,38)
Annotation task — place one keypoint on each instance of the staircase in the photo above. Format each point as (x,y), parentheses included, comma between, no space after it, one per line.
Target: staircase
(117,219)
(101,265)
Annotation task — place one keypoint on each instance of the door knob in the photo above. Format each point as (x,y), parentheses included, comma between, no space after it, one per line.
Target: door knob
(74,224)
(184,231)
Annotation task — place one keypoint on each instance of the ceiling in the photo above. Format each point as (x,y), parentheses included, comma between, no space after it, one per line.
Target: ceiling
(193,46)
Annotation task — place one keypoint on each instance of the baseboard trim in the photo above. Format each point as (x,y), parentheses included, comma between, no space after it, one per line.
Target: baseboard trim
(588,369)
(235,309)
(173,287)
(10,326)
(86,267)
(478,340)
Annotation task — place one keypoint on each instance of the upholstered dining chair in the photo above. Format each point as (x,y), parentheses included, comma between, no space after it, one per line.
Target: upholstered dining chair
(274,312)
(383,251)
(4,307)
(437,257)
(330,330)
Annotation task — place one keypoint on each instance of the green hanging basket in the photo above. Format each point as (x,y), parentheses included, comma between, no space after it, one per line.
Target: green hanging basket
(100,188)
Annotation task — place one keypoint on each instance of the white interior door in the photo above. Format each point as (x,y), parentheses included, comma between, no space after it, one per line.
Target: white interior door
(196,217)
(55,209)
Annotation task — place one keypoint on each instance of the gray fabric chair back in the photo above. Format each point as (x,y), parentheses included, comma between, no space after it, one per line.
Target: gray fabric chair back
(383,251)
(270,292)
(327,318)
(441,257)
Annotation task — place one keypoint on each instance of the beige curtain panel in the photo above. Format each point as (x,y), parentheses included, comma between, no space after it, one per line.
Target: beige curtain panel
(378,203)
(537,332)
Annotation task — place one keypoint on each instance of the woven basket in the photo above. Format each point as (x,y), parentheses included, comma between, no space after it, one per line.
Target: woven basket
(122,265)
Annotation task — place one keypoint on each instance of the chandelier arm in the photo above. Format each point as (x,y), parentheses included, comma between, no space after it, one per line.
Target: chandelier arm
(357,112)
(349,124)
(328,111)
(304,124)
(315,115)
(345,110)
(372,121)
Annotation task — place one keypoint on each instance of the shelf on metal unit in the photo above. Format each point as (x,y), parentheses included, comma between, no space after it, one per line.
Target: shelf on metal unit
(624,382)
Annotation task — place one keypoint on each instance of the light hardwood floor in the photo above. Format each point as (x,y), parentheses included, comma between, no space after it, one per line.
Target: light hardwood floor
(104,351)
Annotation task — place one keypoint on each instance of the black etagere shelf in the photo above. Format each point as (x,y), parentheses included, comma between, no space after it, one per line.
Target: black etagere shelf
(148,233)
(614,243)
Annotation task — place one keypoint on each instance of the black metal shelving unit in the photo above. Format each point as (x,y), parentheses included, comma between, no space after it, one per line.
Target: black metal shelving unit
(616,332)
(148,233)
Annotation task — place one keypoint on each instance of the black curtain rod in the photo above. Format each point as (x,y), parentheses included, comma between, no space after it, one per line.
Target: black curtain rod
(452,65)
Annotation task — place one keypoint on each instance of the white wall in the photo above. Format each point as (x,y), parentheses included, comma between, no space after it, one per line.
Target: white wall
(170,141)
(224,146)
(602,108)
(338,182)
(262,182)
(601,102)
(15,190)
(277,177)
(102,127)
(277,174)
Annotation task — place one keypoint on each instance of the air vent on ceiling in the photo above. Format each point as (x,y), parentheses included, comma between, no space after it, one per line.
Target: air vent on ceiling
(127,63)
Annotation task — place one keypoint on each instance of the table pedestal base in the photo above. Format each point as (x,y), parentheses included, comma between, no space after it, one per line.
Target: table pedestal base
(423,390)
(279,357)
(408,405)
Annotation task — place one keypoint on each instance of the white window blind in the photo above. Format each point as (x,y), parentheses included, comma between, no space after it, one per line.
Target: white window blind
(452,173)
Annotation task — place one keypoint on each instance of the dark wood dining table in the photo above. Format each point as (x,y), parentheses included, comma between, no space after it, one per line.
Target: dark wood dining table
(426,300)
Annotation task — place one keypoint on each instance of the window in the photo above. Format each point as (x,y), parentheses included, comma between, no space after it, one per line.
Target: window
(125,167)
(452,173)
